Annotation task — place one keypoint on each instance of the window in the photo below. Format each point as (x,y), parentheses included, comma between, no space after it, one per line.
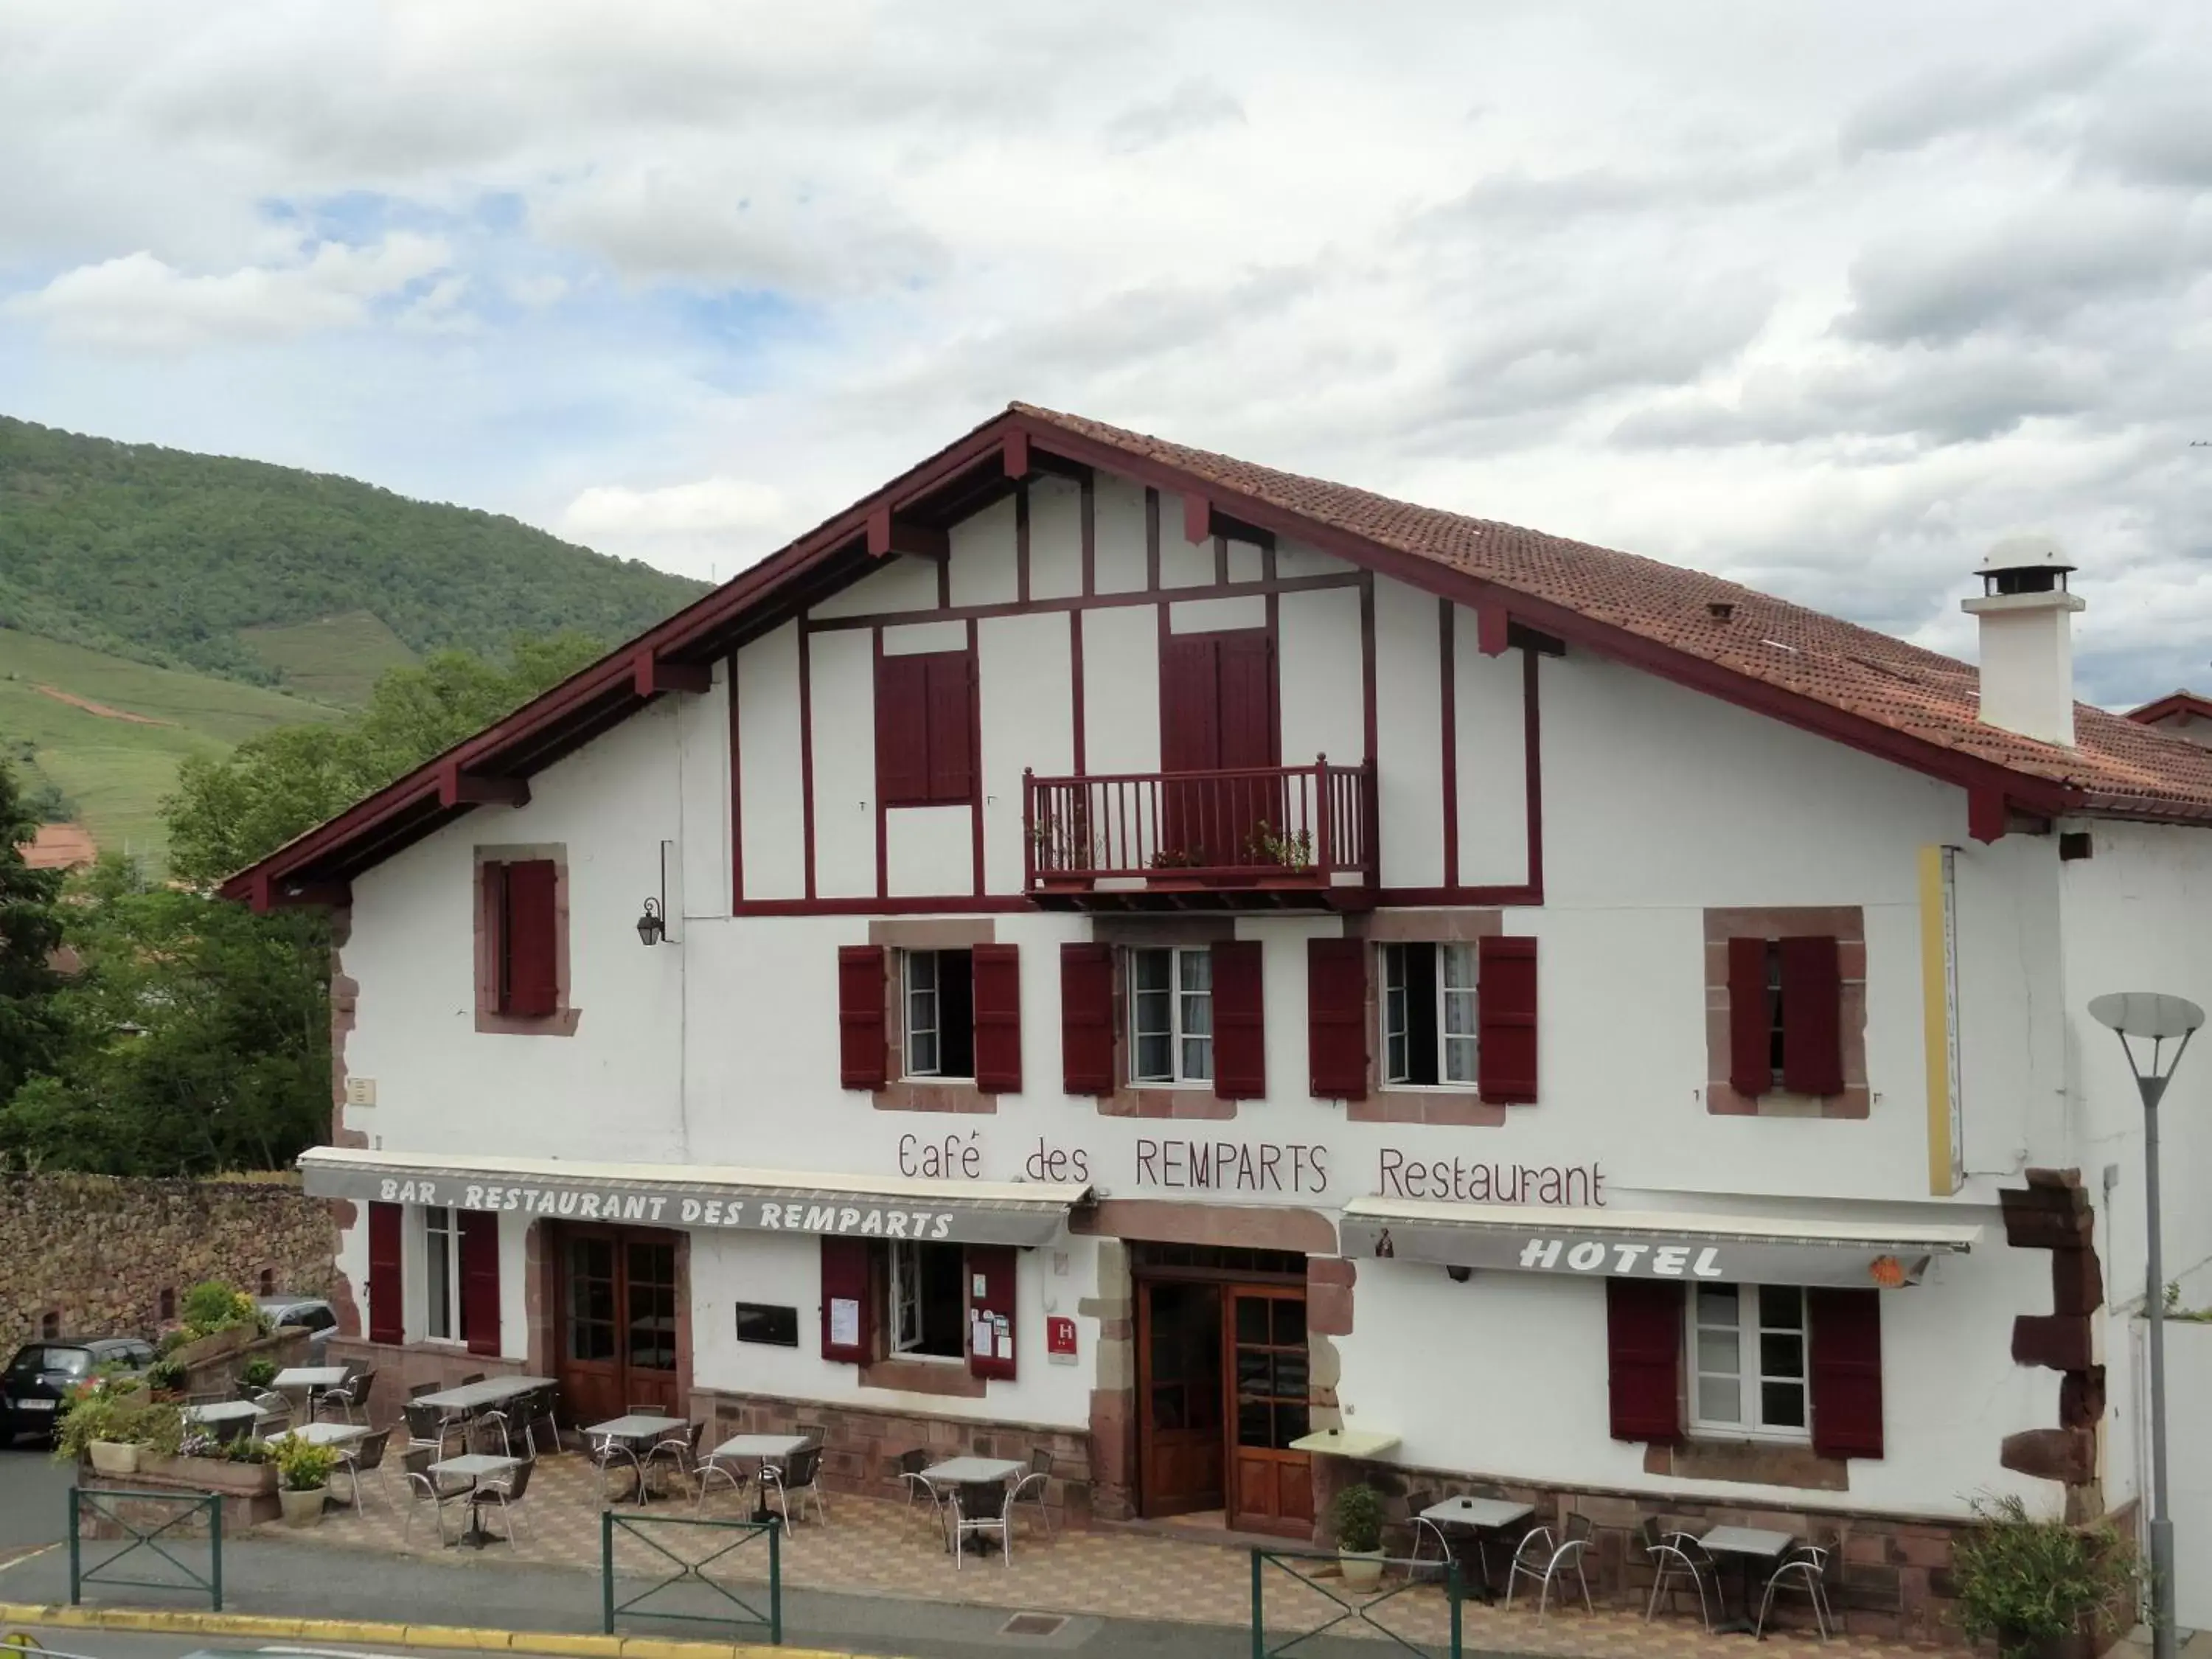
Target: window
(442,1275)
(928,1300)
(1171,1016)
(1428,1015)
(766,1323)
(924,729)
(940,1014)
(1785,1015)
(519,961)
(1747,1348)
(1777,1023)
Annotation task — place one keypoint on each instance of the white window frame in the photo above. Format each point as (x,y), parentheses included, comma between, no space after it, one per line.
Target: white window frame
(904,1292)
(450,1230)
(922,1010)
(1395,1026)
(1184,1003)
(1749,1376)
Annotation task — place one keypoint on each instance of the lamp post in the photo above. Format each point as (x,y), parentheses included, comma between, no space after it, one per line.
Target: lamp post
(2162,1025)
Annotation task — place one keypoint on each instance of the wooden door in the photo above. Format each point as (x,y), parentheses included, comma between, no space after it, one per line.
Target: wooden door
(1218,707)
(1270,1485)
(1179,1397)
(618,1341)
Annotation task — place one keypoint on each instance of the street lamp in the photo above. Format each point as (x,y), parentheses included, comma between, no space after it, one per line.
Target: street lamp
(2153,1031)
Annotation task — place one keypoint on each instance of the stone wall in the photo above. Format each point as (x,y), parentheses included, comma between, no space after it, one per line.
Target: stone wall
(95,1253)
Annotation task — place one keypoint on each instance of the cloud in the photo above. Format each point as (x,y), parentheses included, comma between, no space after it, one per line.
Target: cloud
(139,302)
(1190,106)
(1972,96)
(718,523)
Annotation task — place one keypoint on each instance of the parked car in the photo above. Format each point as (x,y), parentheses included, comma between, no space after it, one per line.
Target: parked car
(36,1384)
(283,1312)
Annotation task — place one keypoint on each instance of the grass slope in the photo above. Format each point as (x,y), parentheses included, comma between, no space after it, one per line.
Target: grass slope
(170,558)
(118,769)
(335,659)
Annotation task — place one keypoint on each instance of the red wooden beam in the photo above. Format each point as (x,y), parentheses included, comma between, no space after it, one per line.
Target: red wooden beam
(336,895)
(651,675)
(460,788)
(1492,625)
(887,533)
(1197,518)
(1014,451)
(1985,814)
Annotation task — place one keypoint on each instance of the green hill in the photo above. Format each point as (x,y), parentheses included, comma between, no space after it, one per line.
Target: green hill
(108,733)
(274,576)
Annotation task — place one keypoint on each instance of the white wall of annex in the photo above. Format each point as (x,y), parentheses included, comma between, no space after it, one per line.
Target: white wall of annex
(841,699)
(1029,722)
(775,828)
(983,566)
(1409,737)
(1119,558)
(1319,677)
(1121,689)
(699,873)
(1055,536)
(1490,730)
(903,583)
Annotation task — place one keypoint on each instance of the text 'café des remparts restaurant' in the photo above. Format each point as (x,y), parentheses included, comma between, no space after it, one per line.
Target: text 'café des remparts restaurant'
(1249,984)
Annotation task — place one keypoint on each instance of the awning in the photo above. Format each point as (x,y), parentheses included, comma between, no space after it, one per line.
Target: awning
(1600,1243)
(704,1196)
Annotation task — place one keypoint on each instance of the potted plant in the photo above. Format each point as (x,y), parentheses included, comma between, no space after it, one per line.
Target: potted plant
(2043,1589)
(110,1422)
(258,1373)
(1358,1515)
(303,1478)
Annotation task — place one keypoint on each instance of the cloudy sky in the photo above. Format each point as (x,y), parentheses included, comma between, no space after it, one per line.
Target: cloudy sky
(1824,297)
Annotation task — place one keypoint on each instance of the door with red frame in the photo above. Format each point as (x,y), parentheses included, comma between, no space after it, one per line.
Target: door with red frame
(1218,714)
(1270,1485)
(1180,1399)
(618,1327)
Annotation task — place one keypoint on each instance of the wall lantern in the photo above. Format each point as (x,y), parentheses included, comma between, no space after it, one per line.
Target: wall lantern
(651,928)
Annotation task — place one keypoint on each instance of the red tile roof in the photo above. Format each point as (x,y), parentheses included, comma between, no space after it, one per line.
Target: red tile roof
(2116,763)
(1859,687)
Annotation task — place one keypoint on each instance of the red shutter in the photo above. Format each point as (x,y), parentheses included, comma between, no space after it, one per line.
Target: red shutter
(1846,1372)
(1506,1020)
(998,1019)
(1812,1017)
(533,983)
(1190,704)
(951,752)
(479,1280)
(1751,1019)
(901,731)
(1336,1018)
(1240,1026)
(1644,1352)
(993,1266)
(1086,1019)
(860,1016)
(845,1279)
(386,1321)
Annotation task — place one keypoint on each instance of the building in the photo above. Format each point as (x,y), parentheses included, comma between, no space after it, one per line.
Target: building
(1247,984)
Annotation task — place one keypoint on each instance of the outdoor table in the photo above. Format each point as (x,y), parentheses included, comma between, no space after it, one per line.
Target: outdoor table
(474,1467)
(762,1448)
(1478,1515)
(1744,1544)
(958,1473)
(324,1434)
(473,1397)
(222,1411)
(628,1430)
(310,1380)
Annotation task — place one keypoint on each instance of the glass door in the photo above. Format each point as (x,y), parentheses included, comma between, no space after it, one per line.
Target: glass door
(1270,1485)
(619,1343)
(649,1319)
(1180,1399)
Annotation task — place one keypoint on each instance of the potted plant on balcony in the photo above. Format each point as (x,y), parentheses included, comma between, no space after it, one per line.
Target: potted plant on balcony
(303,1479)
(1357,1514)
(2043,1589)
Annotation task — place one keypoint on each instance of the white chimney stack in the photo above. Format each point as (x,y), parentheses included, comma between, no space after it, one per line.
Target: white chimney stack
(2028,638)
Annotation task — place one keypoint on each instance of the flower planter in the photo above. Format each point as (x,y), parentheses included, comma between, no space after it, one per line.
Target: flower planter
(113,1457)
(212,1475)
(303,1508)
(1362,1569)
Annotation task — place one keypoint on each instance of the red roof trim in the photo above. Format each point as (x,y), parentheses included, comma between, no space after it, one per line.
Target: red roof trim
(618,684)
(2174,702)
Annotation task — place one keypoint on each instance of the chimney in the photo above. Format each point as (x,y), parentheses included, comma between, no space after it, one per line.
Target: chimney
(2028,638)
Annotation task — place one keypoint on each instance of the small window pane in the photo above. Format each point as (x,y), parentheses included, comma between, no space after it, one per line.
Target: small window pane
(1197,969)
(1291,1424)
(1717,1305)
(1254,1423)
(1167,1407)
(1155,1058)
(1781,1308)
(1197,1060)
(1781,1354)
(1717,1351)
(1459,967)
(1720,1400)
(1781,1405)
(1290,1323)
(1290,1376)
(1152,968)
(1252,1319)
(1255,1371)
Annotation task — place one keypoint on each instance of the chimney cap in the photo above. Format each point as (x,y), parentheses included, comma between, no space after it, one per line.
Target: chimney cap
(2025,553)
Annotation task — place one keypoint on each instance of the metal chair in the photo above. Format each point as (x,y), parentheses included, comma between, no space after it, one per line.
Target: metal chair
(505,1492)
(1675,1556)
(473,1376)
(534,1410)
(276,1410)
(1804,1569)
(486,1424)
(1557,1558)
(1036,1486)
(817,1432)
(910,1465)
(424,1487)
(678,1454)
(799,1476)
(362,1457)
(428,1426)
(608,1451)
(707,1469)
(420,1388)
(983,1520)
(1424,1529)
(350,1396)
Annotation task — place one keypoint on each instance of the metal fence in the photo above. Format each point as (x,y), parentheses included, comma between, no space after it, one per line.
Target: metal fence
(1279,1568)
(686,1548)
(96,1518)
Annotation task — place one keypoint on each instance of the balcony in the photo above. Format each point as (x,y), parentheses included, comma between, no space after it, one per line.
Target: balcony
(1290,837)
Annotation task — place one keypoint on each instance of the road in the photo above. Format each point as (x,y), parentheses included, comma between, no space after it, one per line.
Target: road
(126,1644)
(35,1512)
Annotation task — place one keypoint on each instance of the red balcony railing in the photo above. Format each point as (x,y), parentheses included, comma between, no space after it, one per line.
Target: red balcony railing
(1272,829)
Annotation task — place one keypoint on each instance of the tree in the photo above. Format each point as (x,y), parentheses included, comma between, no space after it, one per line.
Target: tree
(228,813)
(30,930)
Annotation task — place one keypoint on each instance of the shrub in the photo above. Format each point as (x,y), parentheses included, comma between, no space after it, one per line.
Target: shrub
(1358,1513)
(258,1373)
(215,1306)
(302,1465)
(120,1413)
(2028,1581)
